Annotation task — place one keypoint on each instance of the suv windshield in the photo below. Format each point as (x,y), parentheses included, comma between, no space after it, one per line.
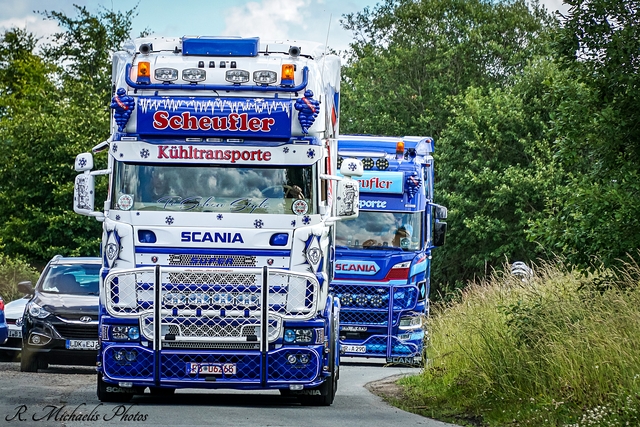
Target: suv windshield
(74,279)
(276,190)
(381,230)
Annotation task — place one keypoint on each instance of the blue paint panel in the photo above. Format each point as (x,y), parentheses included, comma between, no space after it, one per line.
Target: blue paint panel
(218,46)
(218,117)
(194,251)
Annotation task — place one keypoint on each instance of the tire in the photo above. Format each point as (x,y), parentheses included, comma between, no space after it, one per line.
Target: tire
(28,361)
(329,388)
(112,393)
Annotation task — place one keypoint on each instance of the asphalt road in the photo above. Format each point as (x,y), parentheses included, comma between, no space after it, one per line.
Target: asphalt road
(68,393)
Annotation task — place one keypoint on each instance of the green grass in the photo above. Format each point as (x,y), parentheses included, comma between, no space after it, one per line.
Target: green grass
(561,349)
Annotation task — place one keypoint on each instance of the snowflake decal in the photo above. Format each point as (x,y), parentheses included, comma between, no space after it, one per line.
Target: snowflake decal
(82,162)
(114,148)
(258,223)
(285,149)
(352,166)
(144,153)
(219,217)
(311,153)
(306,220)
(117,217)
(169,220)
(293,223)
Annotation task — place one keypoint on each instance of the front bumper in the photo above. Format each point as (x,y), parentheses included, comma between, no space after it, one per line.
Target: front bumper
(253,369)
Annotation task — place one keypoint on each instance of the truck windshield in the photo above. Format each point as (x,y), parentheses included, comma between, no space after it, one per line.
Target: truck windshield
(381,230)
(275,190)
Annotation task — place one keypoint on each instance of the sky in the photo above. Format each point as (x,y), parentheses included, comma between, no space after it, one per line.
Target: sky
(314,20)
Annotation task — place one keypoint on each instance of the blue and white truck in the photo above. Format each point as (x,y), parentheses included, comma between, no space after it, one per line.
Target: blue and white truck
(384,256)
(218,225)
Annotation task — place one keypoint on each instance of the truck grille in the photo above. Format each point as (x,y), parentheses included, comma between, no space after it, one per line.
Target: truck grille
(213,260)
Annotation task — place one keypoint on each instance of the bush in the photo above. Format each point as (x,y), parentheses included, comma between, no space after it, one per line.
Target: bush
(559,349)
(13,271)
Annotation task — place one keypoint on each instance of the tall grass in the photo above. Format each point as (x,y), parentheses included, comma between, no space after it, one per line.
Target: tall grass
(559,349)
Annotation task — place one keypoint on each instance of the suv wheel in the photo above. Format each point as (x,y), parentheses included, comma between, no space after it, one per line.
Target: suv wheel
(28,361)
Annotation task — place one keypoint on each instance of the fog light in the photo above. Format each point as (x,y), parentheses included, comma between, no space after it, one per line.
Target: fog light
(292,359)
(131,355)
(296,387)
(35,339)
(125,384)
(304,359)
(119,355)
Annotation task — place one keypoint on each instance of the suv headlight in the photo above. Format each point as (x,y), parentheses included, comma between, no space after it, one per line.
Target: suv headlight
(36,311)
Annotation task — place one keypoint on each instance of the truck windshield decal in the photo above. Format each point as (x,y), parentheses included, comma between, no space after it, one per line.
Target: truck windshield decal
(219,189)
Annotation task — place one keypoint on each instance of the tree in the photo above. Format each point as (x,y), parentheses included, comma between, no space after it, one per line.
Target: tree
(495,171)
(55,105)
(596,213)
(409,56)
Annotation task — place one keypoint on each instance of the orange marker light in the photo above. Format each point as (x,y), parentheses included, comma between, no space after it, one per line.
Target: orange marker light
(144,69)
(288,75)
(400,147)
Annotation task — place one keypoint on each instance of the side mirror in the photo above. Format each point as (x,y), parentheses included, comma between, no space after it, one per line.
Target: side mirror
(84,194)
(440,212)
(348,198)
(439,233)
(84,162)
(26,287)
(351,167)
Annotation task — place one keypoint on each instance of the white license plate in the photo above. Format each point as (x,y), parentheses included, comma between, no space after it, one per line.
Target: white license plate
(354,348)
(211,368)
(82,345)
(15,333)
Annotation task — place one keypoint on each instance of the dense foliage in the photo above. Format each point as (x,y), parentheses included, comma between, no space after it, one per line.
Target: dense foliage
(53,105)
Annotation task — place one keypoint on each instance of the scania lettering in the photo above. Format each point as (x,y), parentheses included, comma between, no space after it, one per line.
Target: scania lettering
(384,256)
(218,240)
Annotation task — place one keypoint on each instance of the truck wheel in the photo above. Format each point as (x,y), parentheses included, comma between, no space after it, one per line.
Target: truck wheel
(28,361)
(113,393)
(329,388)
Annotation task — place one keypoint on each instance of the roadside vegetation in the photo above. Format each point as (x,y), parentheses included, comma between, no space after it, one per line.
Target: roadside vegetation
(558,349)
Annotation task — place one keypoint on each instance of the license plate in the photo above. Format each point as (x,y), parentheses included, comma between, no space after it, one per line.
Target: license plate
(82,345)
(211,368)
(354,348)
(15,333)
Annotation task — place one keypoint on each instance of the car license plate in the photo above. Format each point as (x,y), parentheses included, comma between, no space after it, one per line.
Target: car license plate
(82,345)
(15,333)
(211,368)
(354,348)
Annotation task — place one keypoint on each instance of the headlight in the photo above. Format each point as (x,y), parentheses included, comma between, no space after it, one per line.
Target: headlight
(36,311)
(412,322)
(237,76)
(298,336)
(125,333)
(194,75)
